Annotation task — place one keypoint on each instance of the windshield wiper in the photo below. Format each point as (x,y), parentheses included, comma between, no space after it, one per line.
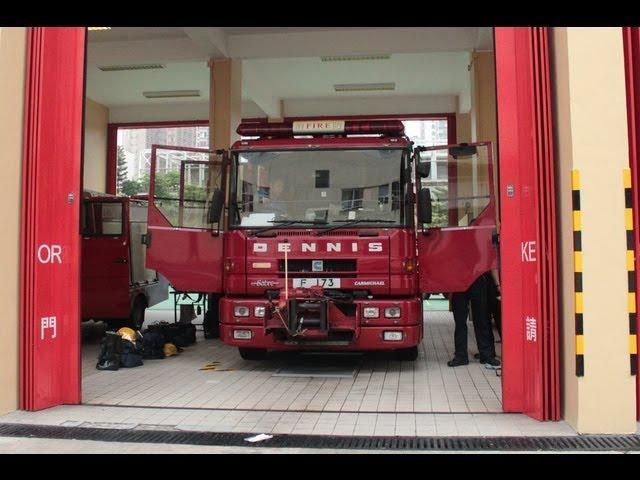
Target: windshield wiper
(286,223)
(348,223)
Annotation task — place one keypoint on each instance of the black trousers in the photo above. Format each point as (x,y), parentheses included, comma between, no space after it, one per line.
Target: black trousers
(494,305)
(477,296)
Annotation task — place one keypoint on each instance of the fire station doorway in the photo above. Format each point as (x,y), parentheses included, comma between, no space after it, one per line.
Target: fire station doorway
(50,360)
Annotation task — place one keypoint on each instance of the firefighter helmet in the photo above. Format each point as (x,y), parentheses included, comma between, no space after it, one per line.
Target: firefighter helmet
(170,350)
(127,334)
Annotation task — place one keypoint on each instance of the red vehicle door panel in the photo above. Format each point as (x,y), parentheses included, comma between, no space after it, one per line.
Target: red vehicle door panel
(182,245)
(457,246)
(105,260)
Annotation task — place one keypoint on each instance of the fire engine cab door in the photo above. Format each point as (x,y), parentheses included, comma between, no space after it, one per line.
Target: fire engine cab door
(183,243)
(456,245)
(105,259)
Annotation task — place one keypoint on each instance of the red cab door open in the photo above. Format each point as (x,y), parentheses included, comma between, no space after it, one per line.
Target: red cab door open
(184,242)
(456,224)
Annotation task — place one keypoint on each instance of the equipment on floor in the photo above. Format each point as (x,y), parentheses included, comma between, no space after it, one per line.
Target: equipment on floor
(152,344)
(128,334)
(169,350)
(158,335)
(110,351)
(131,354)
(121,349)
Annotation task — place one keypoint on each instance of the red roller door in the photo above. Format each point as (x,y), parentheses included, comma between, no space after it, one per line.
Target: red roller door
(50,241)
(528,219)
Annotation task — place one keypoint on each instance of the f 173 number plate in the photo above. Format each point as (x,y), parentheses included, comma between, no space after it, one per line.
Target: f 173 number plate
(312,282)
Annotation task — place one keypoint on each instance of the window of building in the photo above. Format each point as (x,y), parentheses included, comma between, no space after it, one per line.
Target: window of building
(322,178)
(133,152)
(383,194)
(352,198)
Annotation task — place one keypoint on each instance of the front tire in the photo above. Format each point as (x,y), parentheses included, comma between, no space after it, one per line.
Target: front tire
(407,354)
(253,353)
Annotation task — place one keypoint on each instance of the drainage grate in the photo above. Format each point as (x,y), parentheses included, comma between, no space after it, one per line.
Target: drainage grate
(578,443)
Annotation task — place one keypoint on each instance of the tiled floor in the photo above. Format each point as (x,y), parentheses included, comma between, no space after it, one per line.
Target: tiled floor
(382,384)
(252,421)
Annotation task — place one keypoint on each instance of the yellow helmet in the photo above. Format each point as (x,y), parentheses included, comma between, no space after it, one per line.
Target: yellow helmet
(127,334)
(170,349)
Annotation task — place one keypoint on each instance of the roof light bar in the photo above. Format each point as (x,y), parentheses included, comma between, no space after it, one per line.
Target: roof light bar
(98,29)
(318,127)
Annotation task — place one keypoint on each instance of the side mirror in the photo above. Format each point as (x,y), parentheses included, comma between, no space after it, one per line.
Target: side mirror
(425,214)
(215,208)
(423,169)
(463,150)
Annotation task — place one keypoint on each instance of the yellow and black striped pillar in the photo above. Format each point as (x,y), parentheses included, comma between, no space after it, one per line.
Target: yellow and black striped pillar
(577,270)
(631,272)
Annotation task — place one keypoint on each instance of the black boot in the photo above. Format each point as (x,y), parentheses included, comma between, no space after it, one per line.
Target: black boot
(458,361)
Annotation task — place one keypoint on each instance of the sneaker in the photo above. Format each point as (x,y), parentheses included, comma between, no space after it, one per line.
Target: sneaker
(457,362)
(491,363)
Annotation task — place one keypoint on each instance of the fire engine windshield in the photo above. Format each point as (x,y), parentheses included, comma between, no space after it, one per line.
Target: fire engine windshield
(318,186)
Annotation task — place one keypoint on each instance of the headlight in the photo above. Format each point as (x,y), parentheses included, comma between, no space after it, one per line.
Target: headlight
(241,311)
(371,312)
(242,334)
(392,312)
(259,311)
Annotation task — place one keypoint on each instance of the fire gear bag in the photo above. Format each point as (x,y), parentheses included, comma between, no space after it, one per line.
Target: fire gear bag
(131,354)
(152,343)
(110,352)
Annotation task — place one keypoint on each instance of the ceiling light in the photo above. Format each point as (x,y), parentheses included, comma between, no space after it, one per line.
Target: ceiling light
(364,87)
(351,58)
(120,68)
(98,29)
(172,94)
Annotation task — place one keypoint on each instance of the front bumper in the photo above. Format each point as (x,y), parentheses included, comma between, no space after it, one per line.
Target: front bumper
(366,338)
(345,329)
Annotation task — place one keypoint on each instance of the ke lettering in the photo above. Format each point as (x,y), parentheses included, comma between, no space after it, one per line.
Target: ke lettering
(528,250)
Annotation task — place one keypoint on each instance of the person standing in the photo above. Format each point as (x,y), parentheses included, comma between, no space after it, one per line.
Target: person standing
(477,296)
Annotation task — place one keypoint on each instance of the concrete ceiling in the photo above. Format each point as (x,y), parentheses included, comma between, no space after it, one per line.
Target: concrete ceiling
(282,63)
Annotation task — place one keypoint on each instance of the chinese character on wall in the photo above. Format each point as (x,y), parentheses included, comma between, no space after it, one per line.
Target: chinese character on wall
(530,329)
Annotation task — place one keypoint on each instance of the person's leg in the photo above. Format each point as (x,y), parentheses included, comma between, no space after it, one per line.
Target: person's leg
(494,304)
(481,322)
(460,307)
(497,315)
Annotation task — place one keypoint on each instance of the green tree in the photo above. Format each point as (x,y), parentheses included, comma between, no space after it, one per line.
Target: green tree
(122,169)
(130,187)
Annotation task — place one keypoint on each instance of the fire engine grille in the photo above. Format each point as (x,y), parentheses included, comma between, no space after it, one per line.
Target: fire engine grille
(150,434)
(331,265)
(302,233)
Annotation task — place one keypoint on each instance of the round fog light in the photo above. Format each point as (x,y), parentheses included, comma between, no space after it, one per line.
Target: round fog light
(392,312)
(241,311)
(392,336)
(371,312)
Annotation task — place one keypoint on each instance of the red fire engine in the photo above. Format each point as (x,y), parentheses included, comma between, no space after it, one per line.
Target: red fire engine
(328,235)
(116,286)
